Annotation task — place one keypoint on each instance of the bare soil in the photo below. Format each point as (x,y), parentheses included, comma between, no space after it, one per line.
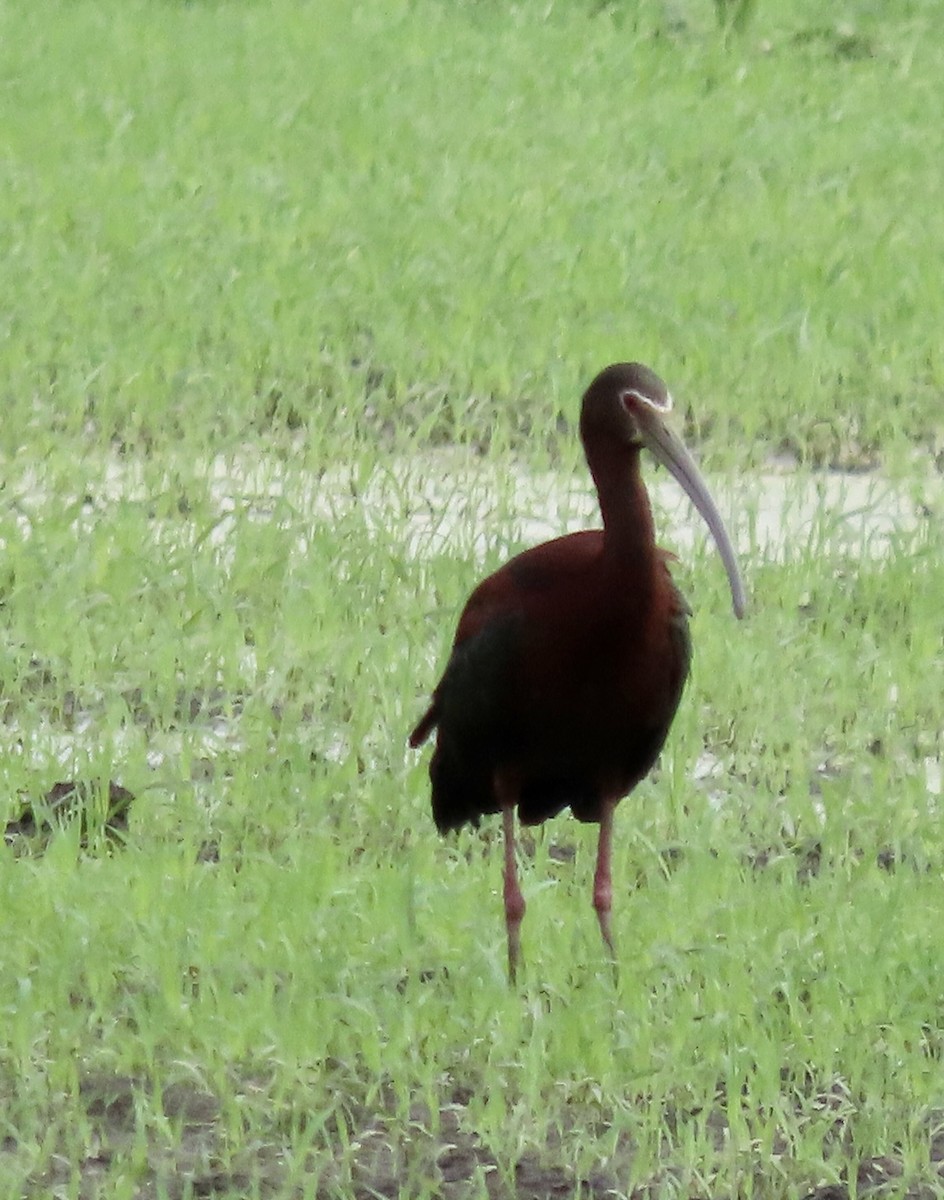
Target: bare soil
(370,1154)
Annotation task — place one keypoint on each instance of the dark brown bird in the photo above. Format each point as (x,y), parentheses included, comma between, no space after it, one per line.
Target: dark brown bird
(569,662)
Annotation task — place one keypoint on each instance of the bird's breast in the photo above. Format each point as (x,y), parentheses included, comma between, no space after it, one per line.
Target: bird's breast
(604,668)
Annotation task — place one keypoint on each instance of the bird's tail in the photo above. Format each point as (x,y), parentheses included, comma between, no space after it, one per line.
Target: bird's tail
(462,788)
(425,726)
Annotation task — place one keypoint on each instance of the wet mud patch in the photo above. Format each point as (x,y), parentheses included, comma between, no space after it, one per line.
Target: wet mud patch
(102,814)
(182,1142)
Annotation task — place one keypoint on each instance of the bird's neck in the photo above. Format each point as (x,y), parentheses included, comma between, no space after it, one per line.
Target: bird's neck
(628,529)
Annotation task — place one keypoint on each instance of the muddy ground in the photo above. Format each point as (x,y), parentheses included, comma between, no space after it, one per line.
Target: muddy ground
(377,1154)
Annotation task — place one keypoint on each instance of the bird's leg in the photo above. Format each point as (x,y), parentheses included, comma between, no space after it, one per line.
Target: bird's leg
(514,901)
(602,881)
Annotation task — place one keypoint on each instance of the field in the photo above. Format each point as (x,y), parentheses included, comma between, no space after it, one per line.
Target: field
(298,303)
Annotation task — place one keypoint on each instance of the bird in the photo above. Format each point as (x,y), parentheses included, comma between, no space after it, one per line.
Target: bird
(568,663)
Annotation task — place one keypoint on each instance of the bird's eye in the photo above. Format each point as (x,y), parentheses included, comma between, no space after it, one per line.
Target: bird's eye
(631,399)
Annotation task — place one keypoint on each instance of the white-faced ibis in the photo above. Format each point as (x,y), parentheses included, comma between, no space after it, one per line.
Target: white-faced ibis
(569,661)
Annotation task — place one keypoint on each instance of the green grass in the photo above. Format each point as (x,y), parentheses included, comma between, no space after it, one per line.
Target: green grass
(257,259)
(261,211)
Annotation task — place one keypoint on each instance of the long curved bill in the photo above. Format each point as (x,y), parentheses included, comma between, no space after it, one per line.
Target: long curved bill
(669,450)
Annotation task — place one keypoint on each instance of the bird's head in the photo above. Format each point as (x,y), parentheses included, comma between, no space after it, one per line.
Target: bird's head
(622,403)
(627,404)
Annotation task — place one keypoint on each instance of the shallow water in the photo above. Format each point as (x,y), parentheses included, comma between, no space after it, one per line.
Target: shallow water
(771,516)
(448,501)
(445,499)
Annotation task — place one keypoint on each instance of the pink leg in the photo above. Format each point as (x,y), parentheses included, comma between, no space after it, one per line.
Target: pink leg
(514,901)
(602,881)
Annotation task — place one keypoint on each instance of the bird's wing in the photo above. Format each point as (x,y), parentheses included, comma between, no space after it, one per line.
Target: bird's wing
(526,578)
(511,591)
(481,607)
